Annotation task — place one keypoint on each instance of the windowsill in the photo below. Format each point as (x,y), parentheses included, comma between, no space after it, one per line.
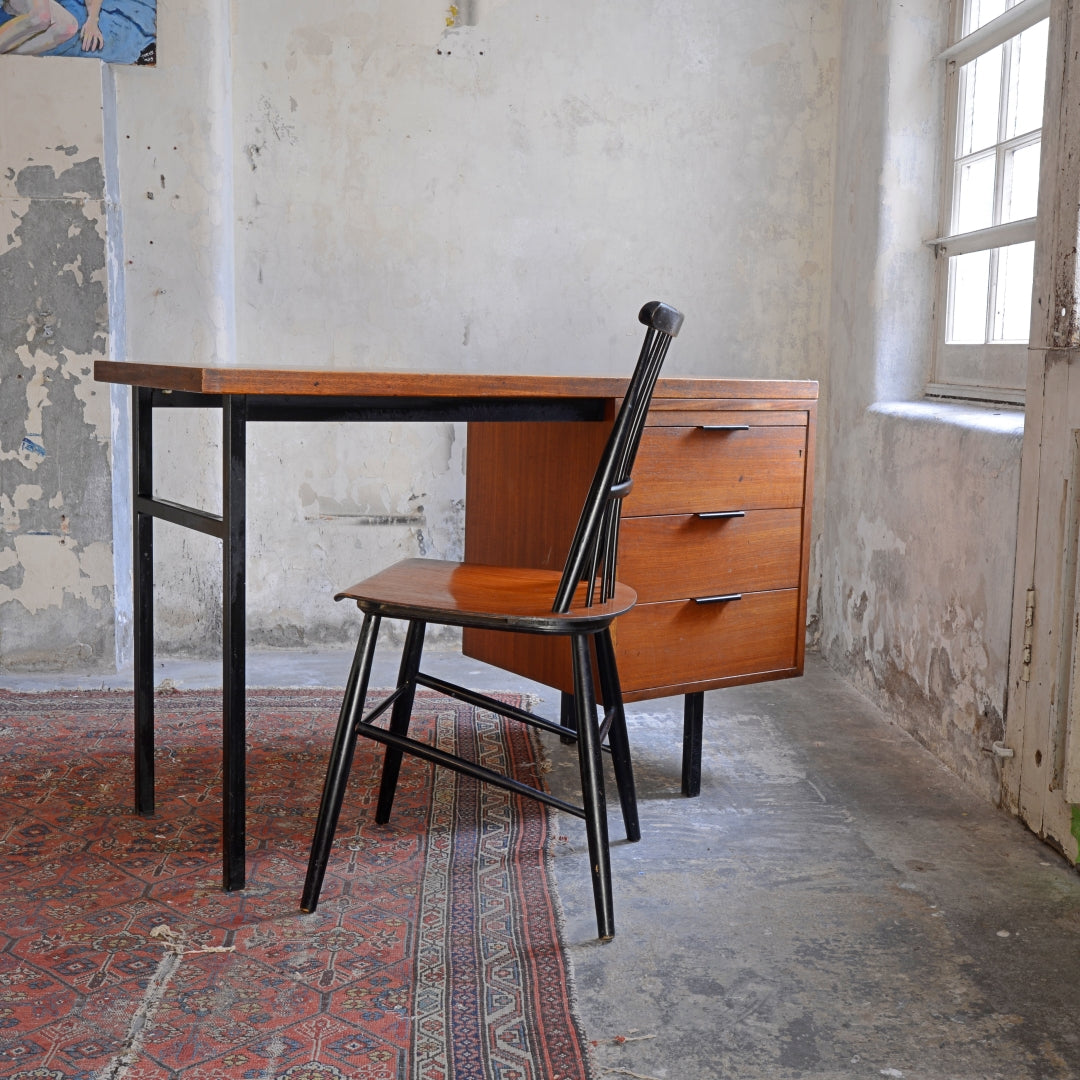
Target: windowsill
(975,395)
(999,419)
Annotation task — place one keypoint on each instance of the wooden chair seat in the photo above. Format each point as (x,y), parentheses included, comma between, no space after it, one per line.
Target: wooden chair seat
(489,597)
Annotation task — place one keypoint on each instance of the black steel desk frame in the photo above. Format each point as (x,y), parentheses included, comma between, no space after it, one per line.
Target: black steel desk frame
(237,411)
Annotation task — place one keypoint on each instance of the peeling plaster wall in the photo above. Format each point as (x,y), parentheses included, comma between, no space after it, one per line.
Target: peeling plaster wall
(919,593)
(391,185)
(921,501)
(407,193)
(400,186)
(56,572)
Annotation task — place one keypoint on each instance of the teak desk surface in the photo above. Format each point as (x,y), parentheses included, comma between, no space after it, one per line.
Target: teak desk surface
(249,393)
(304,381)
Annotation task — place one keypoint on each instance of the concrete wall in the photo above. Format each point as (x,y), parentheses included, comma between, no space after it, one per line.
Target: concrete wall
(920,503)
(403,186)
(495,189)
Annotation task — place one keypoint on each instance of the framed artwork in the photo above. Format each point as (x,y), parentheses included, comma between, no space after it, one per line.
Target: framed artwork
(116,31)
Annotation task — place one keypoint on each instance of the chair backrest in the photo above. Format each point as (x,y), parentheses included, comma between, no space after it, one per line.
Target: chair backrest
(594,550)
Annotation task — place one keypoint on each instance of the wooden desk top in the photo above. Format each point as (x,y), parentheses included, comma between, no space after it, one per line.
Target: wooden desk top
(301,381)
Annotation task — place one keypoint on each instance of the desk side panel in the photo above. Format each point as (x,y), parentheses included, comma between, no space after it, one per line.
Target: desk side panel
(524,489)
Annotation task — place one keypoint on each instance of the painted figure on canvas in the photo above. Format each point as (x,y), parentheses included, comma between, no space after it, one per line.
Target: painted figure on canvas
(116,31)
(35,26)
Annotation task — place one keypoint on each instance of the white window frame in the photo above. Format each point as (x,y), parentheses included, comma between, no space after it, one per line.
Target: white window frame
(993,372)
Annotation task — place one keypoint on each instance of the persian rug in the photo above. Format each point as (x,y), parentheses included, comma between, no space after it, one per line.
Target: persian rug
(434,954)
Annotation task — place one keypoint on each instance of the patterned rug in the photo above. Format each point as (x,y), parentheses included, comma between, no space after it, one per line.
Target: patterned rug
(434,954)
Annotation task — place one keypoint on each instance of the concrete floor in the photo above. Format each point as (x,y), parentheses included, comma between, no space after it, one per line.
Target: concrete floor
(834,905)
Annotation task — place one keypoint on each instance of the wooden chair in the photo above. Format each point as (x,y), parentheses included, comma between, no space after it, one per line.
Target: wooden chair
(581,604)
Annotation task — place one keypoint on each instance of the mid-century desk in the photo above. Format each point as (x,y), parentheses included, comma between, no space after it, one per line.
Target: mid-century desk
(246,394)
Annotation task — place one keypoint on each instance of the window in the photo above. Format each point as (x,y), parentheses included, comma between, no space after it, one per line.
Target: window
(996,75)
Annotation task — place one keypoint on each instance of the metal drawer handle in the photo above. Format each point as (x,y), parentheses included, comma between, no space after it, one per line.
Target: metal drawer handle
(724,427)
(718,599)
(711,515)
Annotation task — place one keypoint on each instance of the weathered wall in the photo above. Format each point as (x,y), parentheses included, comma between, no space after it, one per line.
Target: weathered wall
(386,184)
(920,504)
(486,187)
(56,571)
(504,194)
(500,194)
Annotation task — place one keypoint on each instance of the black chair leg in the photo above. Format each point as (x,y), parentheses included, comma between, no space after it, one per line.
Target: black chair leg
(618,739)
(341,756)
(400,717)
(592,787)
(567,717)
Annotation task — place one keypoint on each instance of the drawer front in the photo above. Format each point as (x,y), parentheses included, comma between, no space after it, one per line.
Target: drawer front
(678,557)
(683,642)
(682,470)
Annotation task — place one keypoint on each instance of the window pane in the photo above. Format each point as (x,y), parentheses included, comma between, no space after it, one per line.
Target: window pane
(1020,191)
(984,306)
(980,83)
(979,12)
(969,287)
(1012,311)
(974,205)
(1027,77)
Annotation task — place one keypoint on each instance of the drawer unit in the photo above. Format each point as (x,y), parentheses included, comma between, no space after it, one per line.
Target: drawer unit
(715,534)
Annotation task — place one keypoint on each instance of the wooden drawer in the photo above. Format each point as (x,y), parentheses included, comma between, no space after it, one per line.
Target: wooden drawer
(678,557)
(682,470)
(669,648)
(682,642)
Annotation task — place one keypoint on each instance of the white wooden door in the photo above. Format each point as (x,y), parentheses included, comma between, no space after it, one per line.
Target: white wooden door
(1041,781)
(1042,778)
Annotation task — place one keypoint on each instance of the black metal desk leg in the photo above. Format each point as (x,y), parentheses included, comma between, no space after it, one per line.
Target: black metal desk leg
(693,718)
(234,626)
(142,553)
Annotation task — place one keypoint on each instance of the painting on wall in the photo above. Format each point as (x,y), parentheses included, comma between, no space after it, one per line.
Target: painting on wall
(116,31)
